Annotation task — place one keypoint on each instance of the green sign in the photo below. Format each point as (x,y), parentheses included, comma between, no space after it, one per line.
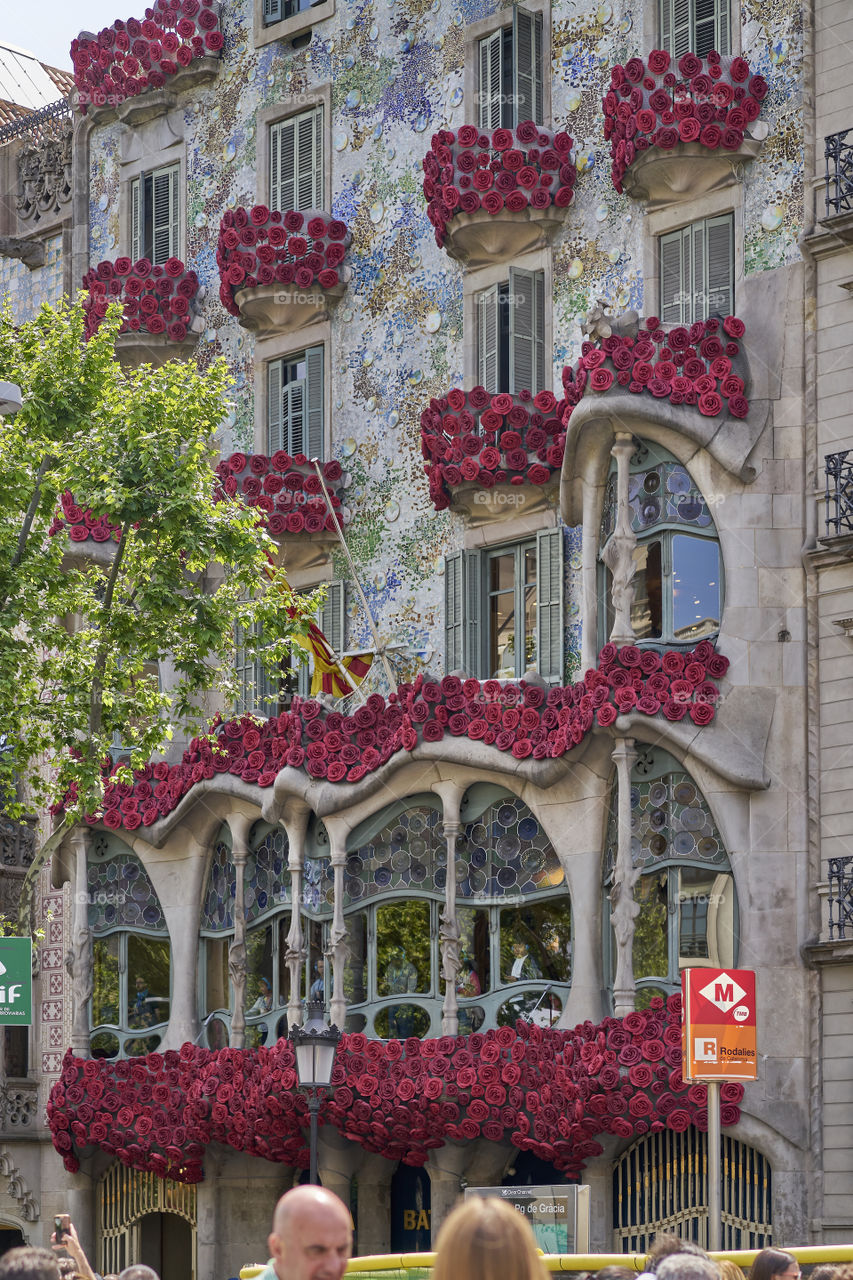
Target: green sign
(16,981)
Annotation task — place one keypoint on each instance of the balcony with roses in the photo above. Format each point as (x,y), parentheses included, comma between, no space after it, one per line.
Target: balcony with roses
(281,270)
(679,130)
(162,317)
(487,452)
(492,196)
(133,71)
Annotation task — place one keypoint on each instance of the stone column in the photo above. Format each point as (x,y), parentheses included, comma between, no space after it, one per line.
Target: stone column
(337,1158)
(336,951)
(374,1175)
(78,961)
(618,555)
(295,955)
(79,1198)
(624,909)
(451,794)
(239,825)
(446,1167)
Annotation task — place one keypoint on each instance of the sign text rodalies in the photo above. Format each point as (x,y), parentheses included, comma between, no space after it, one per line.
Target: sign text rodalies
(16,981)
(718,1022)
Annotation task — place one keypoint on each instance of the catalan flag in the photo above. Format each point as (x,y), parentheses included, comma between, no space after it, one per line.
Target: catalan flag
(328,675)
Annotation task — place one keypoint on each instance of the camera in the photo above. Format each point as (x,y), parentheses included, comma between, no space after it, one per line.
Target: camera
(61,1224)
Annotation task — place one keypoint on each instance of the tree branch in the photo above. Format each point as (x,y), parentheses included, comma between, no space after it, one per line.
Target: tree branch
(29,517)
(96,704)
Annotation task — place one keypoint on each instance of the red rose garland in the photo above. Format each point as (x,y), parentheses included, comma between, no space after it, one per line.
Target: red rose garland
(550,1092)
(156,299)
(257,247)
(284,490)
(514,169)
(129,57)
(474,436)
(661,103)
(520,719)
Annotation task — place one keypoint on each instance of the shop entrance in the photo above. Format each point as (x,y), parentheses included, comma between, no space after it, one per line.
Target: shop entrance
(411,1225)
(143,1218)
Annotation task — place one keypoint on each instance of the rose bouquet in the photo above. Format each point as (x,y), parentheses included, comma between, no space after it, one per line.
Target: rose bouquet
(303,250)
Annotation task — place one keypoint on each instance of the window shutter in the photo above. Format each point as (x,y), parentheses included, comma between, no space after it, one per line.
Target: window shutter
(723,35)
(244,668)
(677,26)
(472,660)
(526,325)
(293,417)
(720,264)
(462,612)
(313,435)
(332,616)
(453,618)
(136,219)
(489,88)
(275,437)
(309,160)
(699,304)
(164,196)
(549,604)
(283,166)
(526,65)
(487,339)
(710,27)
(272,11)
(672,272)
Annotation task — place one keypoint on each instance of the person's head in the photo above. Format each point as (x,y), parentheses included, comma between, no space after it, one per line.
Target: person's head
(519,947)
(266,989)
(613,1273)
(665,1244)
(138,1272)
(831,1271)
(731,1270)
(29,1263)
(140,983)
(311,1236)
(775,1264)
(486,1239)
(687,1266)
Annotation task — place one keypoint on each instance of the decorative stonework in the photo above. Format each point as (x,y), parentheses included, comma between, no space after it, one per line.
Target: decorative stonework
(44,174)
(17,1187)
(20,1106)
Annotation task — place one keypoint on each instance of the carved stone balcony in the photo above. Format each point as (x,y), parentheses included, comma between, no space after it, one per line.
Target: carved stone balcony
(281,271)
(494,196)
(677,131)
(162,319)
(492,456)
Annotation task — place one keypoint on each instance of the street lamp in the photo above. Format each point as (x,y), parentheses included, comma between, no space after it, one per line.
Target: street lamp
(10,398)
(314,1045)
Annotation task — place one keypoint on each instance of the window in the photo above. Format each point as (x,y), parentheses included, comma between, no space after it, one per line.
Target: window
(278,10)
(154,224)
(511,333)
(131,954)
(509,73)
(678,579)
(686,896)
(697,271)
(504,609)
(263,694)
(296,161)
(295,404)
(694,26)
(259,691)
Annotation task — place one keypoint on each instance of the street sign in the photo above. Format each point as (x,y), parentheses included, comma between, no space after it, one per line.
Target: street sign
(559,1215)
(718,1021)
(16,981)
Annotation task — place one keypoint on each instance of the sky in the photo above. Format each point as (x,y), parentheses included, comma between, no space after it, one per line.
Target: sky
(47,28)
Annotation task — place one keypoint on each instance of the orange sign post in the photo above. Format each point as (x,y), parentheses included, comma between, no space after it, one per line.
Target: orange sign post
(718,1042)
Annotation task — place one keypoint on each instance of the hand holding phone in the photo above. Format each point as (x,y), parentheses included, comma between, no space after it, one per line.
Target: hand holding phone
(61,1223)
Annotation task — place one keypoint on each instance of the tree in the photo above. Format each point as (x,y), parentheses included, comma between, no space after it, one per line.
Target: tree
(81,635)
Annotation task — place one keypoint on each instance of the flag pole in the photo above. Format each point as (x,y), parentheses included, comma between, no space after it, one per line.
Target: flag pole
(338,663)
(380,648)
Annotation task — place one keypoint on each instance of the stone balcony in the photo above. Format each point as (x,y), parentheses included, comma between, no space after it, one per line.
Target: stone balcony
(134,70)
(281,271)
(491,455)
(162,319)
(494,196)
(679,130)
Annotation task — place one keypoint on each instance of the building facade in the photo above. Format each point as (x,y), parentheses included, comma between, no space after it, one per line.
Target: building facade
(550,292)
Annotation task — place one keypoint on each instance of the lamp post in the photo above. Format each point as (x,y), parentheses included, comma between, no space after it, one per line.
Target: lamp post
(10,398)
(314,1045)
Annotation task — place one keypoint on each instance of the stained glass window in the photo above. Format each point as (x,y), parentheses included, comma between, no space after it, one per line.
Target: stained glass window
(266,882)
(218,907)
(121,896)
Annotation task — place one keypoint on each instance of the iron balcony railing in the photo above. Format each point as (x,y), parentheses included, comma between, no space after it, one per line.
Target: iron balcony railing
(839,492)
(36,121)
(841,897)
(839,173)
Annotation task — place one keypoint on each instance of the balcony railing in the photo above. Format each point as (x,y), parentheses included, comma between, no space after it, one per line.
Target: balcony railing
(839,173)
(839,493)
(841,897)
(39,122)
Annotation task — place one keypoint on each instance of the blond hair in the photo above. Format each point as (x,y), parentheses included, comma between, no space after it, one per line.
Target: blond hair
(486,1239)
(730,1270)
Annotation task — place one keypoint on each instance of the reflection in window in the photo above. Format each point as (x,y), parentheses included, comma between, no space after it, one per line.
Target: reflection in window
(536,942)
(512,611)
(403,948)
(695,587)
(399,1021)
(542,1008)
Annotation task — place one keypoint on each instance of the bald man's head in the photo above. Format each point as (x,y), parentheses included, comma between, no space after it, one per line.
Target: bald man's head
(311,1235)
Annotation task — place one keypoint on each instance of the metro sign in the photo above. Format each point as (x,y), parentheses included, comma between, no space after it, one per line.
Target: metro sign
(718,1024)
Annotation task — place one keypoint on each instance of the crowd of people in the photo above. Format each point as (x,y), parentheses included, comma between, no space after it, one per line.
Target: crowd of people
(482,1239)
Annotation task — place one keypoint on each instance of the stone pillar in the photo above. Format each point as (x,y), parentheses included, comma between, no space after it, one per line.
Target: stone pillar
(374,1175)
(239,826)
(295,955)
(598,1175)
(624,909)
(80,1206)
(446,1166)
(336,952)
(451,794)
(618,555)
(337,1158)
(78,961)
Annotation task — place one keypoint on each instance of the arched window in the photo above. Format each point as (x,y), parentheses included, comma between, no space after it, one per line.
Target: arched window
(266,890)
(217,933)
(513,913)
(132,962)
(678,588)
(686,894)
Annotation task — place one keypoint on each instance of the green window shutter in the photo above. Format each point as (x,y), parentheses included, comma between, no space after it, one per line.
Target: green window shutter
(698,306)
(283,166)
(472,653)
(293,416)
(719,257)
(463,610)
(710,22)
(676,26)
(674,265)
(526,65)
(489,89)
(526,330)
(332,616)
(136,219)
(453,610)
(164,217)
(272,11)
(313,435)
(275,437)
(309,160)
(723,27)
(550,631)
(487,338)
